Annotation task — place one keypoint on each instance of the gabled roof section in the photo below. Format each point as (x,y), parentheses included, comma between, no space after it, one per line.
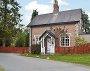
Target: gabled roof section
(63,16)
(48,32)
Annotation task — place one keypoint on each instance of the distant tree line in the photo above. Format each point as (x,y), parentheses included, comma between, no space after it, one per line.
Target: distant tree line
(86,23)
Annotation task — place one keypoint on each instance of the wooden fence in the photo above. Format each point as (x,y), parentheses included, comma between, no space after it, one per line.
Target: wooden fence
(73,50)
(14,49)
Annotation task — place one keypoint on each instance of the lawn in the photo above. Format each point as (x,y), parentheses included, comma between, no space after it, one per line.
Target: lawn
(76,58)
(79,59)
(1,69)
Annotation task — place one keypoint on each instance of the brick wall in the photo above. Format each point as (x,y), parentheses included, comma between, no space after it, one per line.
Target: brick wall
(71,28)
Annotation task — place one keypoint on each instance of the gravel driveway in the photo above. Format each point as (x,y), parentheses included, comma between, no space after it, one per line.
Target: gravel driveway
(14,62)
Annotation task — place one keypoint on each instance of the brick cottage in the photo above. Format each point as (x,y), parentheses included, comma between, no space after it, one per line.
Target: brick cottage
(57,29)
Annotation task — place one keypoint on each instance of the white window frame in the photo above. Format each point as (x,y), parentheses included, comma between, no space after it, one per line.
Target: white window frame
(35,37)
(69,40)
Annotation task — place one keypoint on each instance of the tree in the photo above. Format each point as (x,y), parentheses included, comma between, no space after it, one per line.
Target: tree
(9,18)
(34,14)
(27,38)
(22,40)
(86,23)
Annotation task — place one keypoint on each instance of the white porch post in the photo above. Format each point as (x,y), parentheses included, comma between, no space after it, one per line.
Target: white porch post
(43,46)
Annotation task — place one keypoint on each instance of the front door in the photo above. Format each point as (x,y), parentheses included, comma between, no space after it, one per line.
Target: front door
(50,46)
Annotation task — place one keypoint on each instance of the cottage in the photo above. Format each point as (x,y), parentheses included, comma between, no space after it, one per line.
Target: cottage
(56,29)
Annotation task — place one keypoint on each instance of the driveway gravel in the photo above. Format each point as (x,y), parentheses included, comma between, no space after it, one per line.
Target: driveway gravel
(14,62)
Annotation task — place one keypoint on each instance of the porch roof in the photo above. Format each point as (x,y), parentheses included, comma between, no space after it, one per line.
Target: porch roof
(49,33)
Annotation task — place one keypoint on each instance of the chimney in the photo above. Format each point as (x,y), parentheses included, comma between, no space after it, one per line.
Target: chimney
(55,7)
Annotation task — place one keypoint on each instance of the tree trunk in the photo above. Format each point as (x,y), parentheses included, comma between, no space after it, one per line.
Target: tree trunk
(3,42)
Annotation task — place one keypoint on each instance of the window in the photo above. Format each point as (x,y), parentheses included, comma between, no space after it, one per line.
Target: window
(36,39)
(65,40)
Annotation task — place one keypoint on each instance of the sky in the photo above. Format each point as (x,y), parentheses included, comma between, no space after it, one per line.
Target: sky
(46,6)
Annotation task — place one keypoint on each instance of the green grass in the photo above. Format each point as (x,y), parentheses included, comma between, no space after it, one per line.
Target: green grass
(76,58)
(79,59)
(1,69)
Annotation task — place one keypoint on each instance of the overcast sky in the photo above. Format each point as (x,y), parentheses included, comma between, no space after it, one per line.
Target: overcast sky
(45,6)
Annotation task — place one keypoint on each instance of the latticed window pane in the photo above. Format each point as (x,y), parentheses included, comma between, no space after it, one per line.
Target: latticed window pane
(65,40)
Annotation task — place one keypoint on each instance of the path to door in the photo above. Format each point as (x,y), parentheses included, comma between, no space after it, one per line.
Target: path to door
(13,62)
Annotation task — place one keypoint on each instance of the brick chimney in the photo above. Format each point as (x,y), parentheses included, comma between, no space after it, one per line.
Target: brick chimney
(55,7)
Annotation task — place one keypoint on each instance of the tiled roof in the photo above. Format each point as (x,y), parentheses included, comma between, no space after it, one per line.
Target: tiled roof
(63,16)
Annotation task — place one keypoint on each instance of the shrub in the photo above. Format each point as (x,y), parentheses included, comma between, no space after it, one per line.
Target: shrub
(36,49)
(80,41)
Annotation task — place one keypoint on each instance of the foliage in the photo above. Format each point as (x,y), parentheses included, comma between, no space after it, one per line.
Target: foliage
(9,18)
(35,49)
(34,14)
(27,40)
(22,39)
(80,41)
(8,42)
(86,23)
